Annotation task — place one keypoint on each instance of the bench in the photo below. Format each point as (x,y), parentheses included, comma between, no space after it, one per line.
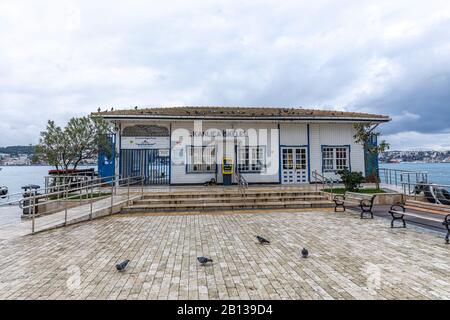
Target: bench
(364,202)
(399,211)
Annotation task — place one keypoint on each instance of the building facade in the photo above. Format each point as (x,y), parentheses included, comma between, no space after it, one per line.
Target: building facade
(188,145)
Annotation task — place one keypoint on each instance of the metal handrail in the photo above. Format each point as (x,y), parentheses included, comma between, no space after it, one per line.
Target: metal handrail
(410,187)
(242,183)
(47,194)
(91,189)
(396,177)
(320,178)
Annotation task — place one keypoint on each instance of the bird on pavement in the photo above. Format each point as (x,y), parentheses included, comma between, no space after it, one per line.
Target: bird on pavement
(305,253)
(204,260)
(122,266)
(261,240)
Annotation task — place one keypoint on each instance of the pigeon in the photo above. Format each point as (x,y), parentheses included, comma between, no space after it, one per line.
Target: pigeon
(304,253)
(204,260)
(261,240)
(122,266)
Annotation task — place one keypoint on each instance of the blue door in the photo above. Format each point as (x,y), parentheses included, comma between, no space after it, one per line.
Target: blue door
(107,165)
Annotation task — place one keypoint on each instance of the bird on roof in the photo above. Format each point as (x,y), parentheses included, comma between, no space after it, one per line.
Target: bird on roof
(261,240)
(122,266)
(305,253)
(98,110)
(204,260)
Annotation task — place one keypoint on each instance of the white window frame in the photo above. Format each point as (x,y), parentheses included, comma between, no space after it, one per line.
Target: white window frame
(335,158)
(201,159)
(251,159)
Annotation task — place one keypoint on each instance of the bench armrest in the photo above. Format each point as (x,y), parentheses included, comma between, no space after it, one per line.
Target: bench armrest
(446,220)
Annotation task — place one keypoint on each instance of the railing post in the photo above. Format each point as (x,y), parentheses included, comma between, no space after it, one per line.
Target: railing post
(92,200)
(128,192)
(66,197)
(81,191)
(315,179)
(409,184)
(142,186)
(33,212)
(112,194)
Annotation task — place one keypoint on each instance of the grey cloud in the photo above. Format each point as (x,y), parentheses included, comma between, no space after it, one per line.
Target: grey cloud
(60,60)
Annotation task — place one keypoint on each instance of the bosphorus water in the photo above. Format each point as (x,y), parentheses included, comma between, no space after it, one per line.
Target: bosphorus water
(438,173)
(14,177)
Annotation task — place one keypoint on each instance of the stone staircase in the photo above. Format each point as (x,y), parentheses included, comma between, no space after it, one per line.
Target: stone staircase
(204,200)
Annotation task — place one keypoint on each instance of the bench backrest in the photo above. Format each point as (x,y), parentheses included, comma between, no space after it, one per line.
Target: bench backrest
(359,196)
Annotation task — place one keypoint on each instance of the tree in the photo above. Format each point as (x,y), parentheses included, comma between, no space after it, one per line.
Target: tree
(364,133)
(81,139)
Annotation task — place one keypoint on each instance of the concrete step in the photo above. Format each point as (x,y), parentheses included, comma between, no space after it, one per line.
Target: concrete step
(206,194)
(241,205)
(228,199)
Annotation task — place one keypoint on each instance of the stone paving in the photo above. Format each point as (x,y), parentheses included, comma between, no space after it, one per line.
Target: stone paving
(349,258)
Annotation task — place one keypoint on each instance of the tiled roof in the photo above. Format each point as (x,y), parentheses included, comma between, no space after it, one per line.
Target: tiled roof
(237,113)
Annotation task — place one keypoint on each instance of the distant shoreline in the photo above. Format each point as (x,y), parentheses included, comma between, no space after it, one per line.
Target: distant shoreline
(41,165)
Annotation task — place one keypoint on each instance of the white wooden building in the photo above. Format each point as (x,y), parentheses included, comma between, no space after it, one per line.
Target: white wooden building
(186,145)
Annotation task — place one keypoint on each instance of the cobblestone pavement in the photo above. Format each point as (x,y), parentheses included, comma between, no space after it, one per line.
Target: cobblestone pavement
(349,259)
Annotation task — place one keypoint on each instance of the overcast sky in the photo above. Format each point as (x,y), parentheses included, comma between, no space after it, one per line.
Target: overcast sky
(60,59)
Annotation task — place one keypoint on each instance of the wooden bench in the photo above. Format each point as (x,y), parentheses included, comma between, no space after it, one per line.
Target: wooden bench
(399,211)
(364,202)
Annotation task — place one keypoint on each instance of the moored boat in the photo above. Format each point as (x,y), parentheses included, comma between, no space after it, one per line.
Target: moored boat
(3,190)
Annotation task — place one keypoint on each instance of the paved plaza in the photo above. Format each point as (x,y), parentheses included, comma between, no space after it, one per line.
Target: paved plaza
(349,258)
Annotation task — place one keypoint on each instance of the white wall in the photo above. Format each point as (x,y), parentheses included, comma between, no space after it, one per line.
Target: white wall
(334,134)
(179,175)
(294,134)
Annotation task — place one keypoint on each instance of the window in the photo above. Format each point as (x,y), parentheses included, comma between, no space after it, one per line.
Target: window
(335,158)
(251,159)
(201,159)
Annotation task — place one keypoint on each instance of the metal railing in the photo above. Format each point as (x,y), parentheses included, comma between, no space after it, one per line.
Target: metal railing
(402,178)
(321,179)
(430,190)
(241,182)
(106,186)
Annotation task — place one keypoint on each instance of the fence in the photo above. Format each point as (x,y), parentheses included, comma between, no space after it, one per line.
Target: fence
(404,179)
(31,201)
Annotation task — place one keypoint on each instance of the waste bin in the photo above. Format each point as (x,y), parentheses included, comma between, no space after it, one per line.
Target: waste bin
(27,203)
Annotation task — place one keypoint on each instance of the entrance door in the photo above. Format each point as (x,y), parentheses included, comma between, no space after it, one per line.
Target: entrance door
(294,165)
(153,164)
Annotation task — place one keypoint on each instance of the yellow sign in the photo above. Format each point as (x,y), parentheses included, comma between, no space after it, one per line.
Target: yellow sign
(227,166)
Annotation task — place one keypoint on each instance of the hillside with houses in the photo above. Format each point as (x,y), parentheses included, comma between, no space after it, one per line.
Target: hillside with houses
(415,156)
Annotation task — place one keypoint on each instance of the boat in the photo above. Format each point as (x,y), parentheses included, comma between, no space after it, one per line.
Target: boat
(434,193)
(3,190)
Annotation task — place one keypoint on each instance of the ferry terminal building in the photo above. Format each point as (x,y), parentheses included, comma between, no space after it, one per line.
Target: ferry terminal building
(187,145)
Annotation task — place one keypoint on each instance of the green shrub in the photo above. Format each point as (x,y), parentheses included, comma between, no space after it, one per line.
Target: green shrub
(351,180)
